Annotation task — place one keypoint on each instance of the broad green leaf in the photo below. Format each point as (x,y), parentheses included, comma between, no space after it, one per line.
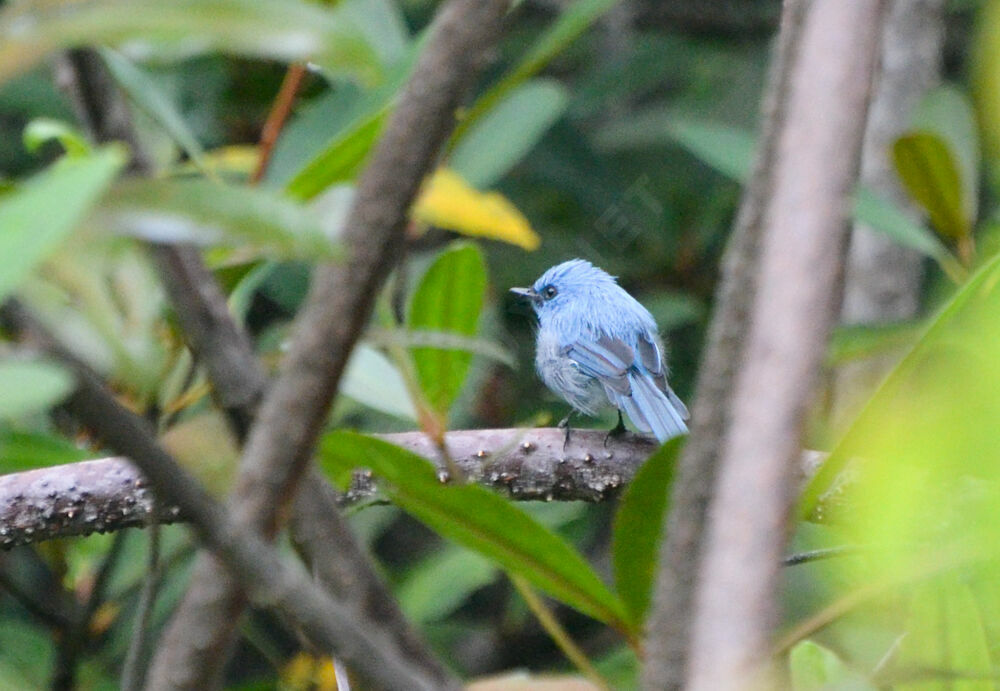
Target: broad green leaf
(477,519)
(945,639)
(449,298)
(885,217)
(638,527)
(43,130)
(37,217)
(31,386)
(815,668)
(859,341)
(340,160)
(207,212)
(370,378)
(143,92)
(279,29)
(949,319)
(439,584)
(446,201)
(505,134)
(947,112)
(727,149)
(929,171)
(26,450)
(574,20)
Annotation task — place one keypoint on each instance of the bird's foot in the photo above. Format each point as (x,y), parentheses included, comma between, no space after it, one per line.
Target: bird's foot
(564,425)
(616,431)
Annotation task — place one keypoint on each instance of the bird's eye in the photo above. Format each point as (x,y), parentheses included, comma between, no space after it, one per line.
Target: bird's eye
(550,292)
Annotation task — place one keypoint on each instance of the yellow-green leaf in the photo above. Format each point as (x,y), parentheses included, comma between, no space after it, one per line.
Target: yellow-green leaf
(929,171)
(447,201)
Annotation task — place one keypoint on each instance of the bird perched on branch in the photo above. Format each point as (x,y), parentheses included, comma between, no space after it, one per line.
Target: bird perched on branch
(598,346)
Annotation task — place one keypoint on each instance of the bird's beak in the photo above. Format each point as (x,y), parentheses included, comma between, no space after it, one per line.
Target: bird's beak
(526,293)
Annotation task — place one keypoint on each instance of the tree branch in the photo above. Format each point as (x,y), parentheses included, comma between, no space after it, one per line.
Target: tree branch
(280,443)
(111,493)
(801,260)
(268,580)
(668,635)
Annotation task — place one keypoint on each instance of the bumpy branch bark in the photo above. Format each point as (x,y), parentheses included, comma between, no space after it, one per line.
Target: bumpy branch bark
(668,636)
(801,261)
(111,493)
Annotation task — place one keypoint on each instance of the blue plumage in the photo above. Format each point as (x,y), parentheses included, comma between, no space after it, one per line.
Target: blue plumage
(598,346)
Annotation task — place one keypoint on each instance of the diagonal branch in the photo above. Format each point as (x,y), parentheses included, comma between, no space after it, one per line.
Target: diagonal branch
(281,442)
(268,580)
(670,618)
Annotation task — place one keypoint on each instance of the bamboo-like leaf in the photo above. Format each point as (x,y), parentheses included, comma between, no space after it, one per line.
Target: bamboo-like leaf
(35,218)
(449,298)
(638,528)
(283,30)
(478,519)
(815,668)
(153,102)
(31,386)
(945,638)
(208,212)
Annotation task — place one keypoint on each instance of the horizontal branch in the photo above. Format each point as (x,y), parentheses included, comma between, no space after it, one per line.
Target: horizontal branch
(110,494)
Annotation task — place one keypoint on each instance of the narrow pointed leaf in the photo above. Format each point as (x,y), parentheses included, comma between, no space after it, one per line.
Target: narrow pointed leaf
(477,519)
(32,226)
(638,528)
(449,298)
(929,171)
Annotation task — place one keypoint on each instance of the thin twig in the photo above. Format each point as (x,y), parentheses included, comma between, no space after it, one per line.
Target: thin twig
(555,630)
(133,671)
(276,119)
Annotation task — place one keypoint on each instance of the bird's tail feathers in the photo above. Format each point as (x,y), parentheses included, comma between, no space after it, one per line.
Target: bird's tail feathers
(651,410)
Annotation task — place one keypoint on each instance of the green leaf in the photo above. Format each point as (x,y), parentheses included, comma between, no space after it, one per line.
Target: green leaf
(858,341)
(341,159)
(43,130)
(638,527)
(209,212)
(439,584)
(442,340)
(574,20)
(815,668)
(38,216)
(31,386)
(945,637)
(370,378)
(477,519)
(279,29)
(141,89)
(929,171)
(977,290)
(885,217)
(449,299)
(26,450)
(727,149)
(947,112)
(504,135)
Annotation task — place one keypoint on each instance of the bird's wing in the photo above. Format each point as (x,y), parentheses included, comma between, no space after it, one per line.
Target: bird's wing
(606,359)
(634,381)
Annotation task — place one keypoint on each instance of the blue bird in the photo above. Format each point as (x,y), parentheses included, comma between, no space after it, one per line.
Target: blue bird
(598,346)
